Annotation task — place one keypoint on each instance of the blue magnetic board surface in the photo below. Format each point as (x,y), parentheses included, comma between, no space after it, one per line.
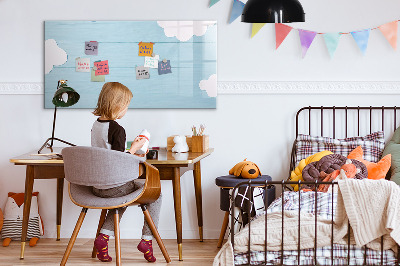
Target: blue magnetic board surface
(193,61)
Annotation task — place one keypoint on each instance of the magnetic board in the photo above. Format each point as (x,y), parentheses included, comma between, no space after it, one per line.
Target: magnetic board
(166,64)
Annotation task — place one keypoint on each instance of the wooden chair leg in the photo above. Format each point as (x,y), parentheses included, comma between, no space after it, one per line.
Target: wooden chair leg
(154,230)
(101,222)
(223,229)
(73,237)
(117,238)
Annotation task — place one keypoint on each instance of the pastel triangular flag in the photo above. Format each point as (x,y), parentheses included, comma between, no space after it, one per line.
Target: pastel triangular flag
(213,2)
(306,39)
(361,37)
(281,31)
(256,28)
(237,9)
(332,41)
(389,30)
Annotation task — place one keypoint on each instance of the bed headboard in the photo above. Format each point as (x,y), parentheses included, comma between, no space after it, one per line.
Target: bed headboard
(344,121)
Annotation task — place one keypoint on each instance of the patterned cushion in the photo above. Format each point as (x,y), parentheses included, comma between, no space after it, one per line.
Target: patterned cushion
(372,144)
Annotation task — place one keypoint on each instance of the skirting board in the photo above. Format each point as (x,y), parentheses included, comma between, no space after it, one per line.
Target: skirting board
(260,87)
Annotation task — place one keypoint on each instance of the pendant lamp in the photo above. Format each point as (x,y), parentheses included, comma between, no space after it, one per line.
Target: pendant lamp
(272,11)
(64,96)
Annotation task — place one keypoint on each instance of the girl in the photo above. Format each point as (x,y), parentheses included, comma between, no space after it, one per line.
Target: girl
(106,133)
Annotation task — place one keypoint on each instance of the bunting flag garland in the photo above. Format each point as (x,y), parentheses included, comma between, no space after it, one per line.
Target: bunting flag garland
(361,37)
(389,30)
(281,31)
(332,41)
(256,28)
(237,8)
(306,39)
(213,2)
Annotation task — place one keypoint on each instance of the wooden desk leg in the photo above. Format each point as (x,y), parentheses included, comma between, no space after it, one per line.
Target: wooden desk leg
(199,204)
(60,190)
(27,206)
(176,184)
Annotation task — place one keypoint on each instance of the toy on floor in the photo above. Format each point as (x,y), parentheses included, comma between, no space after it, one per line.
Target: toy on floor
(1,219)
(245,169)
(13,215)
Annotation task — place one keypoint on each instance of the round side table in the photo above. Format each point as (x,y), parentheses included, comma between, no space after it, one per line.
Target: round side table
(228,182)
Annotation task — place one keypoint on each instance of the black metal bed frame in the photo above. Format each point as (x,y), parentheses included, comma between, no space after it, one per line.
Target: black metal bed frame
(283,184)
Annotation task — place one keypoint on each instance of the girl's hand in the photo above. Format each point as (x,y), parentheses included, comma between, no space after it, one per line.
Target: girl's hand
(142,155)
(137,144)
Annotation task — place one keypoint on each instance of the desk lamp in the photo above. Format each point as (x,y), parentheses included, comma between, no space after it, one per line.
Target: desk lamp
(273,11)
(63,97)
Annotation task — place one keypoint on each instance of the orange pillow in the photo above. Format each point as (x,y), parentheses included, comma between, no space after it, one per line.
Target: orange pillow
(375,170)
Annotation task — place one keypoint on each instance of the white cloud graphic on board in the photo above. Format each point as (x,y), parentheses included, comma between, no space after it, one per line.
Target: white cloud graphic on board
(209,85)
(53,55)
(184,30)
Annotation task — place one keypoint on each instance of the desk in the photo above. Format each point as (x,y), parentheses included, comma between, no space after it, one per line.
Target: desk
(171,167)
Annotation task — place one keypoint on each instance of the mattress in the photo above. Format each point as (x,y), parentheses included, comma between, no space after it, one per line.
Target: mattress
(322,204)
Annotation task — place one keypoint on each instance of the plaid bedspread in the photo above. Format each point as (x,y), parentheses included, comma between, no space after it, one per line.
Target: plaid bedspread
(321,205)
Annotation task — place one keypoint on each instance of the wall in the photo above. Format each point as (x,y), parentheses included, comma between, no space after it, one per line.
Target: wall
(257,127)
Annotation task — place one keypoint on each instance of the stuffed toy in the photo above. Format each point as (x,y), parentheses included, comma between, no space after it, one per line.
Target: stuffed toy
(245,169)
(180,144)
(13,215)
(296,174)
(375,170)
(1,220)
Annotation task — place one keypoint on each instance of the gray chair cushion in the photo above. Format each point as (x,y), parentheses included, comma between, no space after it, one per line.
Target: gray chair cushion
(99,167)
(84,196)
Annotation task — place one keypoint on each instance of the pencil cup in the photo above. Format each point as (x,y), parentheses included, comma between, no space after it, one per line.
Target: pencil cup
(200,143)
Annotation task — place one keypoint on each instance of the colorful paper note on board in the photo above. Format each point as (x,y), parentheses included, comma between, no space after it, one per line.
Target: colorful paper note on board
(82,64)
(151,62)
(101,67)
(164,67)
(145,48)
(91,48)
(142,72)
(95,78)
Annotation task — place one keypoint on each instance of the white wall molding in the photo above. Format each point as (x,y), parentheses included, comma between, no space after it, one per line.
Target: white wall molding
(309,87)
(22,88)
(260,87)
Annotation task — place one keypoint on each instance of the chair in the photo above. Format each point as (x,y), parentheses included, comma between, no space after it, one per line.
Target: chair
(85,167)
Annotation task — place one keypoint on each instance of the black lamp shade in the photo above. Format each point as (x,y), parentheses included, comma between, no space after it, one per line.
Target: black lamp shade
(273,11)
(65,96)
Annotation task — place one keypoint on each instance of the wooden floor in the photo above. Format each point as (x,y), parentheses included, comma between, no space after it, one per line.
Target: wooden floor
(50,252)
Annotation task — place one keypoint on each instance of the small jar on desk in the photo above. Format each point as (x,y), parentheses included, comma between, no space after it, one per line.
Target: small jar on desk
(228,182)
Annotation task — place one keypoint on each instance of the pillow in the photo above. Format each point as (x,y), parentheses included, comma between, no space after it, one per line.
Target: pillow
(375,170)
(296,174)
(372,144)
(329,164)
(393,148)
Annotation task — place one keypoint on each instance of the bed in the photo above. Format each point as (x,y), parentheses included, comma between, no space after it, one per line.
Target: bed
(298,227)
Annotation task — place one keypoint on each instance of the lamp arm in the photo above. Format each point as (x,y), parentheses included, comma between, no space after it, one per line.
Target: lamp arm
(46,143)
(54,126)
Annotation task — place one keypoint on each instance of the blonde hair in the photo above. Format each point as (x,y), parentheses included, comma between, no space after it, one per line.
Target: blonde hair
(113,97)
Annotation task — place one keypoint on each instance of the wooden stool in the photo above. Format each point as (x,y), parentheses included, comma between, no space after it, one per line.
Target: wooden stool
(226,183)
